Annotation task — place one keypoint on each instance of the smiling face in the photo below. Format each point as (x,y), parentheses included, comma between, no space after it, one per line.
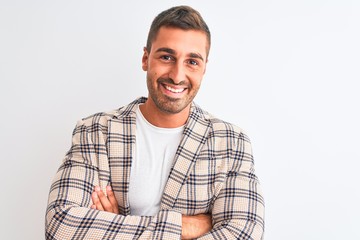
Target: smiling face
(175,67)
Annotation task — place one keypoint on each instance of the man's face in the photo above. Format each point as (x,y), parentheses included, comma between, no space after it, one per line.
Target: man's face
(175,67)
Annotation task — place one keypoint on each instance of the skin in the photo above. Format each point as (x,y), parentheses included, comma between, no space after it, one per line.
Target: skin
(177,60)
(104,202)
(175,67)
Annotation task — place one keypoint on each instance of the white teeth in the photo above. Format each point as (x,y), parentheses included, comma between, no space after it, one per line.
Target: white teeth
(174,90)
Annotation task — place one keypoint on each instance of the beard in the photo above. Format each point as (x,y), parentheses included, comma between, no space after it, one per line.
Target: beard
(168,104)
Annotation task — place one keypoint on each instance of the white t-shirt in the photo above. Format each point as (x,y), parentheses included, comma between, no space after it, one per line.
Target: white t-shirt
(150,168)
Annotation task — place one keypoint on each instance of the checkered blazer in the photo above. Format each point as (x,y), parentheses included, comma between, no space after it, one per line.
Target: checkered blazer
(213,172)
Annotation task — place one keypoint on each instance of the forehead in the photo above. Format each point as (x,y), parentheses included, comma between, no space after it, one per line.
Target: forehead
(182,41)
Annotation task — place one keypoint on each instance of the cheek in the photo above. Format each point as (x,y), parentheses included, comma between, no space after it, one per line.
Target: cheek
(152,77)
(161,70)
(196,79)
(155,75)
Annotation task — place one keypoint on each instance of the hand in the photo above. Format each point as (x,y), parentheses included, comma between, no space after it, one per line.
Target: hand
(195,226)
(104,203)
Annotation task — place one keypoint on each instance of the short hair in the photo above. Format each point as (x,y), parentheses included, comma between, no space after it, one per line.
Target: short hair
(183,17)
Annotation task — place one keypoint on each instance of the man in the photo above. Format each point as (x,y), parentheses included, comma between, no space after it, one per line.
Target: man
(160,167)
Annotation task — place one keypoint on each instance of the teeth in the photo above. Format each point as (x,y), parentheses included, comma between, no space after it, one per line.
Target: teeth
(174,90)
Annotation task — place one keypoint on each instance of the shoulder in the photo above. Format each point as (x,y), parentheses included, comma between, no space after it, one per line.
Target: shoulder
(221,128)
(229,140)
(101,119)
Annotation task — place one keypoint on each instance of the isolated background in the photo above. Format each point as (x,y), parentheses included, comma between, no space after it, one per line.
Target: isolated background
(285,71)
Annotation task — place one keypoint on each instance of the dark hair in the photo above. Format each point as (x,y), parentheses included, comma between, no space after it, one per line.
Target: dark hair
(183,17)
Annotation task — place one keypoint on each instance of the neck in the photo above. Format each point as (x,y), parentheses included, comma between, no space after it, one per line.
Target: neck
(162,119)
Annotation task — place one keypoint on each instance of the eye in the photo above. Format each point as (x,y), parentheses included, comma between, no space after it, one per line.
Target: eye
(193,62)
(166,58)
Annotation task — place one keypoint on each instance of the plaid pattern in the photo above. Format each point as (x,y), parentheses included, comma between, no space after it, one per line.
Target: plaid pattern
(213,172)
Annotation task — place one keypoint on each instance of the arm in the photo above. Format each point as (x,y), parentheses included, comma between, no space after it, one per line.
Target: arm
(238,211)
(195,226)
(69,214)
(192,226)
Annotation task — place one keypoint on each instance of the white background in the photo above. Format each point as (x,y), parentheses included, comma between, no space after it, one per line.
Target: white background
(285,71)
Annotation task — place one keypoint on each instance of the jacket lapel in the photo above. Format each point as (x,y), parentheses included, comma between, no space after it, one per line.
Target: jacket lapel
(194,138)
(121,148)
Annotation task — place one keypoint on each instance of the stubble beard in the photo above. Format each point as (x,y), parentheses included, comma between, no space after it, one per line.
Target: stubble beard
(168,104)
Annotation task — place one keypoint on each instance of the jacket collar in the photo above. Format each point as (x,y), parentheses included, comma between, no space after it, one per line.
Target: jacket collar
(121,149)
(195,111)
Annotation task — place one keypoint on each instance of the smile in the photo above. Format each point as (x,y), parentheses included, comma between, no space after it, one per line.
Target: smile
(174,90)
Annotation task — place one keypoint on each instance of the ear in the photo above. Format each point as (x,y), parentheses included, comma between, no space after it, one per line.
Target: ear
(145,59)
(205,65)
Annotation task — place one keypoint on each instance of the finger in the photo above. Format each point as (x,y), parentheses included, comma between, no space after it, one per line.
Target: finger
(93,206)
(104,200)
(96,201)
(112,199)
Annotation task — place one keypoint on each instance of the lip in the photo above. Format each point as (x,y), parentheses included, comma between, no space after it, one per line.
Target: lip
(172,94)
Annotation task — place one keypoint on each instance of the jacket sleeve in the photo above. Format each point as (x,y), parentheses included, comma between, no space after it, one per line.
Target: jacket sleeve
(68,214)
(238,211)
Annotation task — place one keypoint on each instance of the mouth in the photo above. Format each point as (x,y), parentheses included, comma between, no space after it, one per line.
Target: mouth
(174,90)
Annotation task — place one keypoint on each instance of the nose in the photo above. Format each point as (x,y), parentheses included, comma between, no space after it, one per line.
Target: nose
(177,73)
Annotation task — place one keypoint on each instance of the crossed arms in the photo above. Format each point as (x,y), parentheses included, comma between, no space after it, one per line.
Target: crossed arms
(192,226)
(235,203)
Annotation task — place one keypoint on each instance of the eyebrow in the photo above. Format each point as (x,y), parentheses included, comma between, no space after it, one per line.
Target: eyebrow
(168,50)
(171,51)
(196,55)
